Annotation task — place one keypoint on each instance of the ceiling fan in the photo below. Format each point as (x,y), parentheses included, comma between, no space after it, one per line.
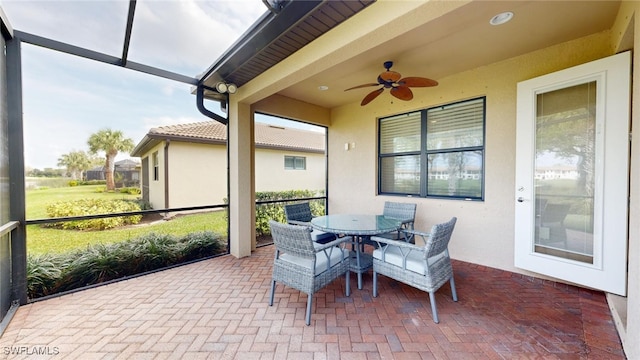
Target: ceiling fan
(393,80)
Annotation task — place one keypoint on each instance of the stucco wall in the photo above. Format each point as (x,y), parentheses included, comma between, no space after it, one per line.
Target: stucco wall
(485,229)
(197,174)
(156,187)
(272,176)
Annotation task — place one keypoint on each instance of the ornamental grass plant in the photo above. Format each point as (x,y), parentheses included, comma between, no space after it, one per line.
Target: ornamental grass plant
(54,273)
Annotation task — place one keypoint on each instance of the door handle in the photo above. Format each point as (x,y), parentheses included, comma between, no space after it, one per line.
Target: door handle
(520,199)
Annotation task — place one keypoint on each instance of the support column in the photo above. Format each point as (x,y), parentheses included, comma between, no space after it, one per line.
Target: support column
(242,210)
(16,170)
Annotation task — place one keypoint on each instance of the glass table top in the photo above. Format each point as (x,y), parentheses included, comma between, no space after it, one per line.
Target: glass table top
(355,224)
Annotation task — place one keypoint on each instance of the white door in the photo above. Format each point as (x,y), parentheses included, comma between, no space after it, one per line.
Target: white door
(572,175)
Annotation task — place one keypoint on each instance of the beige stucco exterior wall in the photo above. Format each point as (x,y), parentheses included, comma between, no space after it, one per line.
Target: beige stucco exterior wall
(242,205)
(197,174)
(156,187)
(272,176)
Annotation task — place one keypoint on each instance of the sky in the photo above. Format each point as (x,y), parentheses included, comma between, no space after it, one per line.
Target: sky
(68,98)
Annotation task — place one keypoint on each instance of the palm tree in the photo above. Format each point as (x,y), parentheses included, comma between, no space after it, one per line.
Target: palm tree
(111,142)
(76,163)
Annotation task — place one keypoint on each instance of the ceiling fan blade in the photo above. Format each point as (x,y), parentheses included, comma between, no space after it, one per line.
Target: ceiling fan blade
(402,93)
(372,95)
(390,76)
(417,82)
(362,86)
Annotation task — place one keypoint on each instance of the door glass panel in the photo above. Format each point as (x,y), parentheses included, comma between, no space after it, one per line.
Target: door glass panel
(565,156)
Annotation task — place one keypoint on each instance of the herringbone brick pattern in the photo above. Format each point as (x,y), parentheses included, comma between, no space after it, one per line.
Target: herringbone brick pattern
(217,309)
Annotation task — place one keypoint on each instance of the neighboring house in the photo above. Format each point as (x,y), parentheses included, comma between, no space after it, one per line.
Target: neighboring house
(126,173)
(557,172)
(186,165)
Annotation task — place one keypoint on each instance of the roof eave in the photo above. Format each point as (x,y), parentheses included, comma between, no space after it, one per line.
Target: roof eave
(289,148)
(143,146)
(261,34)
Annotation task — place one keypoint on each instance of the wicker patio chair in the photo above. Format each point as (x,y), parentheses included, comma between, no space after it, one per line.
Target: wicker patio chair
(425,267)
(406,212)
(300,214)
(304,265)
(552,228)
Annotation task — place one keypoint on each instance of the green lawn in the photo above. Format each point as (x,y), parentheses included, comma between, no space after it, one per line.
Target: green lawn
(45,240)
(38,199)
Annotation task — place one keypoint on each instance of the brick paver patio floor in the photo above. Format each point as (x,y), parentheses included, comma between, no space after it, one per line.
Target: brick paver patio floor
(217,309)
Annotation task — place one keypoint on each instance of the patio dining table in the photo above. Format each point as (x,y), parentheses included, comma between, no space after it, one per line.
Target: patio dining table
(360,227)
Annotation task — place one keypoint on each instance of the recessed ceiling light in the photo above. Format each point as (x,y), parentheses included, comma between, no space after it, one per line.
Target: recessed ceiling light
(501,18)
(323,87)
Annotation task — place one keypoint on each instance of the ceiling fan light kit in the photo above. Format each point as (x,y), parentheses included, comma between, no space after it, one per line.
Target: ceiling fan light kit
(400,87)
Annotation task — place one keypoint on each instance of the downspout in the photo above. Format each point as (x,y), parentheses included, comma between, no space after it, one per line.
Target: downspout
(166,174)
(206,112)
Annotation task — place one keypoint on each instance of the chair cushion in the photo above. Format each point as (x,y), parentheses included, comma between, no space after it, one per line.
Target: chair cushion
(322,237)
(335,256)
(415,261)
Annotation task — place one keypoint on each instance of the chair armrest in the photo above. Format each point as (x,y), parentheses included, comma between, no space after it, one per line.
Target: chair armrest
(405,249)
(398,243)
(410,233)
(416,232)
(336,242)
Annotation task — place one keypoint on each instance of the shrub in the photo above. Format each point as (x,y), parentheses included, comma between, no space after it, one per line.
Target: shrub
(93,207)
(42,273)
(142,203)
(92,182)
(130,190)
(153,251)
(73,182)
(50,274)
(200,244)
(275,211)
(96,264)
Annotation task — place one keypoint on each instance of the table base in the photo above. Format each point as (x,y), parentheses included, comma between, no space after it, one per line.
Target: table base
(360,263)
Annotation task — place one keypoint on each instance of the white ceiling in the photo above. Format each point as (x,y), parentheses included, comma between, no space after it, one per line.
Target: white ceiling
(459,41)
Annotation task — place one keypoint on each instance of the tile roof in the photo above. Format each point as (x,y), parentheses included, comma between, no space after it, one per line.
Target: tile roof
(266,136)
